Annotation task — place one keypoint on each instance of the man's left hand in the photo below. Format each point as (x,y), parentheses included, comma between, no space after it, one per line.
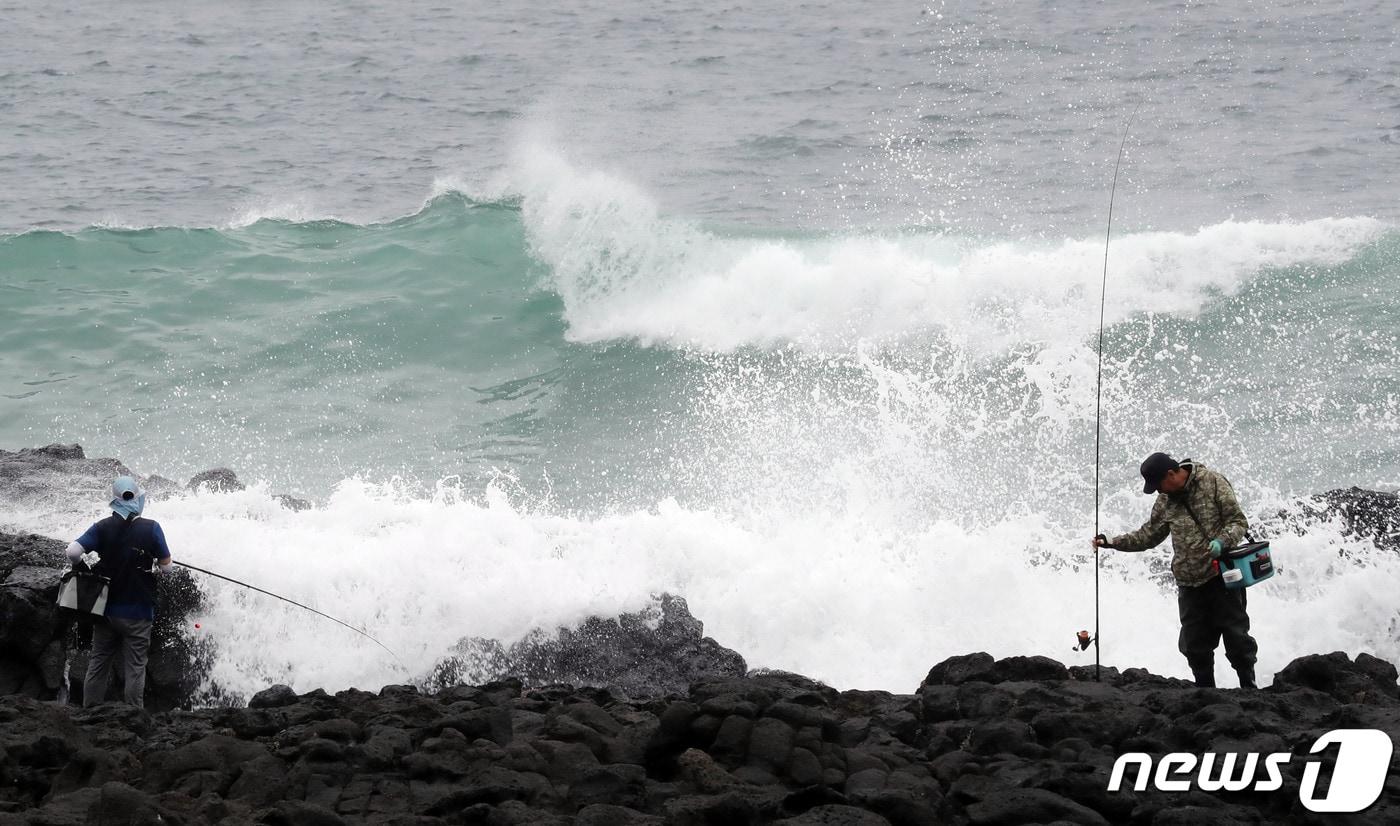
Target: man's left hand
(1215,549)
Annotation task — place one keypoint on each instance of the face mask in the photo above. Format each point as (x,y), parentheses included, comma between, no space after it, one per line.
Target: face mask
(128,500)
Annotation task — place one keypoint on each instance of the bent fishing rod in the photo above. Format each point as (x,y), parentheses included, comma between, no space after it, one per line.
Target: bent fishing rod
(360,631)
(1098,391)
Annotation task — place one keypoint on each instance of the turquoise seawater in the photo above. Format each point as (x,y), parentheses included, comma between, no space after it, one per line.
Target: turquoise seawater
(594,351)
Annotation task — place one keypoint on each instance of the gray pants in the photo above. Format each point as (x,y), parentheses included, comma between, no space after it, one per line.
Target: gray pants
(133,639)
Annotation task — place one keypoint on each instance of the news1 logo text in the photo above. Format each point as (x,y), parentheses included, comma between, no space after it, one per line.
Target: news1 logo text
(1358,777)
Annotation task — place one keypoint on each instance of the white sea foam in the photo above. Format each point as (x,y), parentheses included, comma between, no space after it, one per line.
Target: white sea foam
(858,511)
(296,209)
(626,272)
(845,596)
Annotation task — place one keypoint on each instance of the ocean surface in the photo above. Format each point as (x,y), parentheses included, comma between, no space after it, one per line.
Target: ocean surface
(791,310)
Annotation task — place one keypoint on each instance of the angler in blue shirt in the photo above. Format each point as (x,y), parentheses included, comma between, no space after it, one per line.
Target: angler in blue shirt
(130,551)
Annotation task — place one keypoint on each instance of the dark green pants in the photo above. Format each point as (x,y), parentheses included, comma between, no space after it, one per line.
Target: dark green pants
(1210,613)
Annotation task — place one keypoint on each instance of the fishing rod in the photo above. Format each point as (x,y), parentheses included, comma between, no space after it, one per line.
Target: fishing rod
(1098,391)
(297,604)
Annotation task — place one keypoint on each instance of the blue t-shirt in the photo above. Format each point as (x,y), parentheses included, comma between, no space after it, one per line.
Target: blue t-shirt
(127,553)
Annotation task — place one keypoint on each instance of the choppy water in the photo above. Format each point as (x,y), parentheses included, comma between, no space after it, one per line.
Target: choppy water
(793,313)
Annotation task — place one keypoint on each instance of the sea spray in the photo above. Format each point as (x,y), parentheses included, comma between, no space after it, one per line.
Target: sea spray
(851,596)
(854,453)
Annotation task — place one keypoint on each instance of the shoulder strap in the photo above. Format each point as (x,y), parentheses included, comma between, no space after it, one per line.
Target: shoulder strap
(1187,504)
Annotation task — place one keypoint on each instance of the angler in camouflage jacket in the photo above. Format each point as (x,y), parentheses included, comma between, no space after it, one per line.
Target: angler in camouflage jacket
(1197,508)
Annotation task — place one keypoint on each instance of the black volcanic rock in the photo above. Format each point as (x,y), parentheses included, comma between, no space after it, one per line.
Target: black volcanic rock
(43,648)
(1368,513)
(63,474)
(982,668)
(59,472)
(658,650)
(1365,514)
(219,479)
(767,747)
(958,670)
(274,697)
(1368,679)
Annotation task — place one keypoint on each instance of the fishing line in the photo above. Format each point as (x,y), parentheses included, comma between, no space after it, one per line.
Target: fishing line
(1098,392)
(299,605)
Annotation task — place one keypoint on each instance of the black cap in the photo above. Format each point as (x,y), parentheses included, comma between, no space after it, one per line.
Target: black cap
(1155,467)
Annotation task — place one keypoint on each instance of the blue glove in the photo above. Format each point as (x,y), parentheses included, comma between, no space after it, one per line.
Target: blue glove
(1215,549)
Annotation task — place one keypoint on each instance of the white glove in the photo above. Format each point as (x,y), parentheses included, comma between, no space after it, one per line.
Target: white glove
(90,559)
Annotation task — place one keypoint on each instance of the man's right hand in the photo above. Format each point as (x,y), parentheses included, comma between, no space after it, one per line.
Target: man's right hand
(90,559)
(1100,541)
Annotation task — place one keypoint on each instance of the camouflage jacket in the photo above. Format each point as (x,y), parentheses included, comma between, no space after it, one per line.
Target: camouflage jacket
(1209,496)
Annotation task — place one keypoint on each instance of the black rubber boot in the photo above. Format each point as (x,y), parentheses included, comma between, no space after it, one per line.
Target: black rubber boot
(1205,677)
(1246,677)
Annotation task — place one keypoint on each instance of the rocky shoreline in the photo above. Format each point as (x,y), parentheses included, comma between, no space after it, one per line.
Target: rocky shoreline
(1019,740)
(641,719)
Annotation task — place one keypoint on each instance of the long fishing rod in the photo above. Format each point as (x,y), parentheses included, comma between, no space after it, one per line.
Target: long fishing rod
(1098,392)
(297,604)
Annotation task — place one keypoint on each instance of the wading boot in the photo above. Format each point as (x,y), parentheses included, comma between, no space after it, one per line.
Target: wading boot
(1205,677)
(1246,677)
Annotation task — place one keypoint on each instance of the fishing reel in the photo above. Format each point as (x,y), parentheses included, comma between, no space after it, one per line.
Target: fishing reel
(1082,641)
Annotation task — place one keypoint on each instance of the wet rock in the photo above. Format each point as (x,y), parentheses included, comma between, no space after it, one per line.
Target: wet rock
(159,487)
(485,723)
(837,815)
(261,781)
(567,761)
(291,503)
(700,810)
(1001,737)
(209,764)
(609,815)
(121,805)
(1014,806)
(770,743)
(89,767)
(1017,669)
(1368,679)
(39,640)
(982,668)
(620,784)
(702,772)
(57,473)
(217,480)
(30,626)
(1098,674)
(273,697)
(961,669)
(656,651)
(1370,514)
(1021,751)
(300,813)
